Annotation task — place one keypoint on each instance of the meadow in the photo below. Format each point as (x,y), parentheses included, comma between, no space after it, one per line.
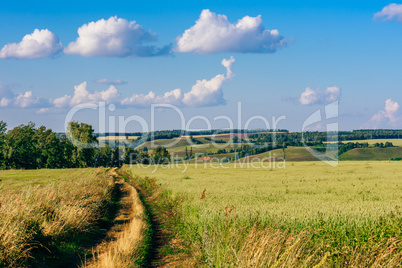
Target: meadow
(364,154)
(53,217)
(305,214)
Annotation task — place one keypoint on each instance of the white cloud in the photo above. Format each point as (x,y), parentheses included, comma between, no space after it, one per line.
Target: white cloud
(387,116)
(209,92)
(39,44)
(390,12)
(20,100)
(43,110)
(26,100)
(114,37)
(110,82)
(173,97)
(62,101)
(82,95)
(311,96)
(4,102)
(203,93)
(213,33)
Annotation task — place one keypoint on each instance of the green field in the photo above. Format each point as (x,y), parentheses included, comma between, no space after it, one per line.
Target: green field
(357,154)
(292,154)
(353,210)
(372,154)
(17,179)
(302,190)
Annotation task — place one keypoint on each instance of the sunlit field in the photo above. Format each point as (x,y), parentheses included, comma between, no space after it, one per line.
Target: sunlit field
(395,142)
(48,217)
(353,210)
(19,179)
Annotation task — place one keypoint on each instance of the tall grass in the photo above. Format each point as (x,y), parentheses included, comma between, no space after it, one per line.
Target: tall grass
(44,220)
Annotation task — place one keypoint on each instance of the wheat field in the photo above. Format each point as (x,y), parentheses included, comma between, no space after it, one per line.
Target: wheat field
(347,215)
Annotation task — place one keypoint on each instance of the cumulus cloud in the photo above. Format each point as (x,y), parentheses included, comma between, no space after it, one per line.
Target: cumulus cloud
(390,12)
(27,99)
(4,102)
(39,44)
(83,95)
(110,82)
(173,97)
(20,100)
(387,116)
(114,37)
(311,96)
(213,33)
(203,93)
(209,92)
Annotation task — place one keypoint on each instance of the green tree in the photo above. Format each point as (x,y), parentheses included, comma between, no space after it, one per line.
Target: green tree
(284,146)
(82,136)
(160,155)
(3,129)
(49,148)
(20,149)
(67,152)
(116,157)
(103,156)
(131,156)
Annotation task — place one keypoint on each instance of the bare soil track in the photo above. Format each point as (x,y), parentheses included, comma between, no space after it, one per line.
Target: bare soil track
(163,247)
(121,245)
(136,238)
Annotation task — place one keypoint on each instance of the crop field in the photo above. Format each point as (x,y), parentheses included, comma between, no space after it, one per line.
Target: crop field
(292,154)
(118,138)
(395,142)
(345,216)
(360,190)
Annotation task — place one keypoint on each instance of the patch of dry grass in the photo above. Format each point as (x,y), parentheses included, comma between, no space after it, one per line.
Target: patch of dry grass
(36,216)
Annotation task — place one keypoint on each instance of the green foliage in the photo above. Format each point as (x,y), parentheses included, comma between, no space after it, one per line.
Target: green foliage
(28,147)
(160,155)
(82,136)
(3,129)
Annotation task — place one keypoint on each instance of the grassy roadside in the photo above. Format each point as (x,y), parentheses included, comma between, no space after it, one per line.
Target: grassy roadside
(359,224)
(125,244)
(55,224)
(163,246)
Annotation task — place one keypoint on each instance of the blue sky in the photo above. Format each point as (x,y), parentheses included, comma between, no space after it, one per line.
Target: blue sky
(325,51)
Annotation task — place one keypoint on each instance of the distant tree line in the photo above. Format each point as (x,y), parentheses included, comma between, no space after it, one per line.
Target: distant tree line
(216,141)
(344,147)
(316,137)
(28,147)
